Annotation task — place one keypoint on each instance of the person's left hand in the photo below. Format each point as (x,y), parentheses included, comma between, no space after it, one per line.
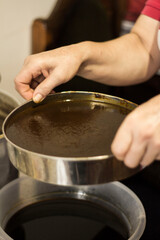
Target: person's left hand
(137,141)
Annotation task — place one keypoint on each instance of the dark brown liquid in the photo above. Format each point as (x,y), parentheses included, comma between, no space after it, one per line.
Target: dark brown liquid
(68,128)
(61,219)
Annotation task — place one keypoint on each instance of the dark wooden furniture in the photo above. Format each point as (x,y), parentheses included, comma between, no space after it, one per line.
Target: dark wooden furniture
(83,14)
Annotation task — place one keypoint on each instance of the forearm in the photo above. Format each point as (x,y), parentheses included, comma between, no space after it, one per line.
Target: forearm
(127,60)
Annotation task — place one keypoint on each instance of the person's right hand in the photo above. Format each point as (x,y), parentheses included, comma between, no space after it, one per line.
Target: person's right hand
(42,72)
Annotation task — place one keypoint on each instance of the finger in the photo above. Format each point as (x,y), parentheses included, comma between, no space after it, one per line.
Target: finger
(122,142)
(22,84)
(46,86)
(135,154)
(24,90)
(157,157)
(150,155)
(153,149)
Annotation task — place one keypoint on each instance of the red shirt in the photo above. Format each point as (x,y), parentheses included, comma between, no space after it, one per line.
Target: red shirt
(134,9)
(152,9)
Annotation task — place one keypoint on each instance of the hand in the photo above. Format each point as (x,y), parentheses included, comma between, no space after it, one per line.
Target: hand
(138,139)
(43,72)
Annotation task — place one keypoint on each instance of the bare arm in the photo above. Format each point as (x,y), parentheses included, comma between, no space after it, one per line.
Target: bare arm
(126,60)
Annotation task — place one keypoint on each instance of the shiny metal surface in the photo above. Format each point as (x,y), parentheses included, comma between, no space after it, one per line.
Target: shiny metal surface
(7,170)
(7,104)
(25,191)
(68,170)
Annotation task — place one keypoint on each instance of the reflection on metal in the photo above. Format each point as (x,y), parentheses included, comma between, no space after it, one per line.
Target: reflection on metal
(7,171)
(69,170)
(128,212)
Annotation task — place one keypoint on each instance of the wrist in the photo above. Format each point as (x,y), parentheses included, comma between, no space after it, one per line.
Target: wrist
(85,54)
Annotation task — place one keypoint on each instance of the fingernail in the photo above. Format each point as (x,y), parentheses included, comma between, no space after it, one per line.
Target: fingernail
(38,98)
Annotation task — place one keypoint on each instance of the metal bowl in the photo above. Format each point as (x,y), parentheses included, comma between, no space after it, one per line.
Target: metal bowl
(125,215)
(76,169)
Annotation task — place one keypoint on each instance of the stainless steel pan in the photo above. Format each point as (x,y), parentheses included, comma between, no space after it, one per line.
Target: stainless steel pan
(66,138)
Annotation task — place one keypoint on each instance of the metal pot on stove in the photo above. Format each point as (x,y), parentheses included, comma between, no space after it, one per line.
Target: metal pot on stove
(32,210)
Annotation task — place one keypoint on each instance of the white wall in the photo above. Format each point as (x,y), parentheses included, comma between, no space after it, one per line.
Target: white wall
(16,17)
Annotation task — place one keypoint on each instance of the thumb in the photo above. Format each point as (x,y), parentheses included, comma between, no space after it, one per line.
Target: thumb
(122,141)
(45,87)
